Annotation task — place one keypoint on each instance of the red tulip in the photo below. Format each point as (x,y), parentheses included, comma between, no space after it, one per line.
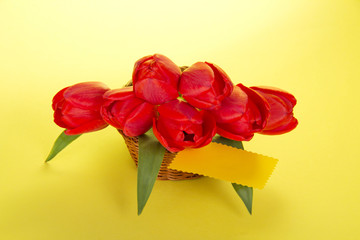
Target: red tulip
(123,110)
(205,85)
(77,108)
(155,79)
(281,119)
(242,114)
(179,125)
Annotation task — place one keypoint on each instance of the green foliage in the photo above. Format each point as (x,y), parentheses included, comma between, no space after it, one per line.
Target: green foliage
(60,143)
(151,154)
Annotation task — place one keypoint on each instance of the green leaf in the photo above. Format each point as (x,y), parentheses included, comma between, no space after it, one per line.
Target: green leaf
(246,195)
(228,142)
(244,192)
(151,154)
(60,143)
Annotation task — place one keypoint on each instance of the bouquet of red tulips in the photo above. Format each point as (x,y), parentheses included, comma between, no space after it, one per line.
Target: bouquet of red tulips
(184,106)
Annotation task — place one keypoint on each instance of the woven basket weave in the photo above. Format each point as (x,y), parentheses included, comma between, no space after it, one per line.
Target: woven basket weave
(165,173)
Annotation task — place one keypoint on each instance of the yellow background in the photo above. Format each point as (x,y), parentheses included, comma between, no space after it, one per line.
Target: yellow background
(310,48)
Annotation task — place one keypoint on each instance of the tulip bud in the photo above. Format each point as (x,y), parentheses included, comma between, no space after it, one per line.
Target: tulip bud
(242,114)
(281,118)
(155,79)
(124,111)
(77,108)
(179,125)
(205,85)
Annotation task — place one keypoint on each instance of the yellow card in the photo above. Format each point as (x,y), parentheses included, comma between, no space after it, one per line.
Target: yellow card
(226,163)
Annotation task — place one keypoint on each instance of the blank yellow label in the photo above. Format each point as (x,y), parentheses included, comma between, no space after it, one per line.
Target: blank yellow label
(226,163)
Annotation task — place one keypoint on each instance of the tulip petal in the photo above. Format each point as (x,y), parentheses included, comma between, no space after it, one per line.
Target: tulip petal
(196,86)
(233,107)
(281,112)
(87,95)
(139,64)
(206,100)
(155,92)
(170,130)
(281,119)
(234,136)
(77,108)
(123,110)
(165,142)
(120,110)
(159,65)
(196,79)
(68,109)
(58,118)
(120,94)
(139,120)
(73,117)
(208,130)
(58,99)
(176,131)
(179,111)
(155,79)
(287,97)
(204,85)
(91,126)
(282,129)
(241,114)
(258,105)
(179,125)
(226,85)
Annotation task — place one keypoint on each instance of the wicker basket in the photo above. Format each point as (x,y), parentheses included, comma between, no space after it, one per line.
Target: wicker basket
(165,173)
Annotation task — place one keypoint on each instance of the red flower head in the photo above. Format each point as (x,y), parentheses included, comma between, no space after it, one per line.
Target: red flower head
(281,119)
(123,110)
(155,79)
(179,125)
(205,85)
(242,114)
(77,108)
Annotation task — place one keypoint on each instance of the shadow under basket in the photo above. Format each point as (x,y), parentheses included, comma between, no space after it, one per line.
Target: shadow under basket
(165,173)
